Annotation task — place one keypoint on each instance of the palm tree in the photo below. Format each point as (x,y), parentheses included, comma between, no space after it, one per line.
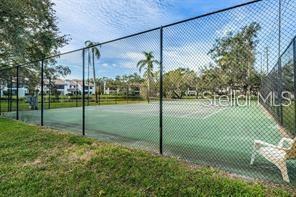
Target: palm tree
(147,64)
(95,53)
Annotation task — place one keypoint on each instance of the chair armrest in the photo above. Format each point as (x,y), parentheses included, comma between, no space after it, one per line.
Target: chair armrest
(259,143)
(283,140)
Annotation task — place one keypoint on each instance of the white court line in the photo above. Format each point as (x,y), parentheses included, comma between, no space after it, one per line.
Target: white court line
(215,112)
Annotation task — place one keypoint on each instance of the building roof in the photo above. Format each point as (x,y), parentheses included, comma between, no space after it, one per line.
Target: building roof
(59,82)
(80,83)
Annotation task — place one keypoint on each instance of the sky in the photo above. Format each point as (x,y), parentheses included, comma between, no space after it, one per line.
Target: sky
(185,45)
(103,20)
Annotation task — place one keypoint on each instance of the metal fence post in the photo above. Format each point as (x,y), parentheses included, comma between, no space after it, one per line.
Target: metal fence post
(280,66)
(17,92)
(42,92)
(8,92)
(49,92)
(161,94)
(83,92)
(127,93)
(10,97)
(294,65)
(280,91)
(99,93)
(0,97)
(76,97)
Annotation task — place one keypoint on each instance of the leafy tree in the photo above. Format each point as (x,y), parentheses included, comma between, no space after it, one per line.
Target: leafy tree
(212,79)
(93,52)
(172,81)
(115,84)
(148,63)
(177,81)
(135,79)
(191,80)
(235,55)
(28,31)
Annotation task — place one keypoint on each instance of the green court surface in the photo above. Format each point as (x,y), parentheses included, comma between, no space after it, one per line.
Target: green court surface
(218,136)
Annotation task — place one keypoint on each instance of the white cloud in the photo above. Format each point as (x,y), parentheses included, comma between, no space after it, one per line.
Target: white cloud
(174,57)
(193,56)
(107,19)
(105,65)
(101,20)
(185,46)
(131,59)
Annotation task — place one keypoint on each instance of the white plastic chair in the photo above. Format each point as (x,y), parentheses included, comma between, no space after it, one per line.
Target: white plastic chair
(278,155)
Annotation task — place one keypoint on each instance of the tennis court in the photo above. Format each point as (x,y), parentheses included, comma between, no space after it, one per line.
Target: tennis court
(202,133)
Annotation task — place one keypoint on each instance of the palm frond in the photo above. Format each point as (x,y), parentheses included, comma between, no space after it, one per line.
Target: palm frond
(96,52)
(141,66)
(87,43)
(156,62)
(141,62)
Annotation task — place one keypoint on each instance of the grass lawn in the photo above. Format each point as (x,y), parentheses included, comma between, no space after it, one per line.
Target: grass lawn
(38,161)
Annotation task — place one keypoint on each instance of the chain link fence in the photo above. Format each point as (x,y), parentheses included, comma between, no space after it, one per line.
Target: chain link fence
(215,90)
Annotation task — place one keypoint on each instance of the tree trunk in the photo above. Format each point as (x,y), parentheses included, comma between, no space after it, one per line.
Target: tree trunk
(127,92)
(49,93)
(148,90)
(94,73)
(88,77)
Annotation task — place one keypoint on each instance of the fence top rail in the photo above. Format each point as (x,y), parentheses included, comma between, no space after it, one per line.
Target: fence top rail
(139,33)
